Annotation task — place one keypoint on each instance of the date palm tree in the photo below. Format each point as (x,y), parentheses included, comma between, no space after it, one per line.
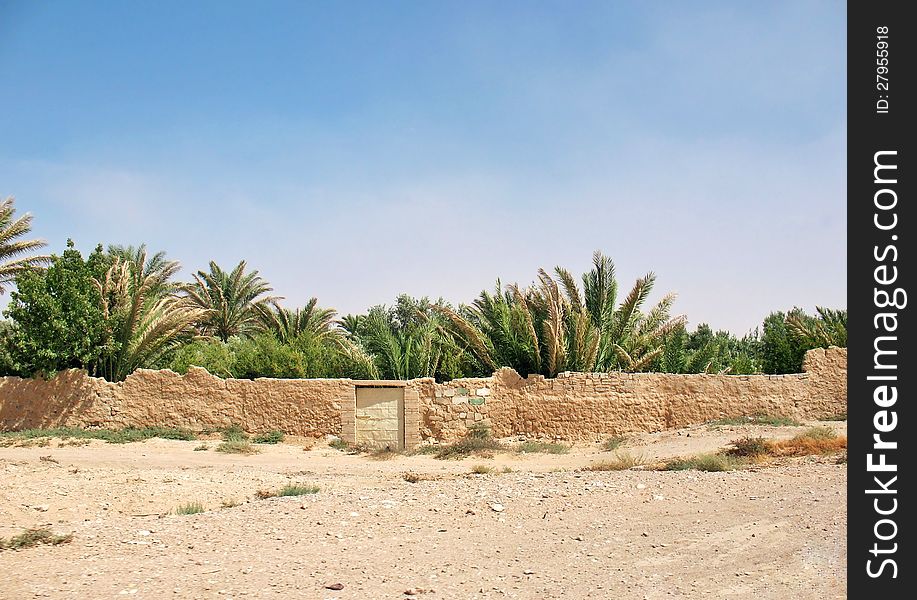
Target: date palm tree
(16,255)
(312,320)
(144,318)
(829,328)
(235,302)
(554,326)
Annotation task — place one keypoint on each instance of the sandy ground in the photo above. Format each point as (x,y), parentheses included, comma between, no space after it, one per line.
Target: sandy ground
(544,530)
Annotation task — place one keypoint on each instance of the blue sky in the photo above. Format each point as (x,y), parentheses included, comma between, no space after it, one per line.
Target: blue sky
(356,150)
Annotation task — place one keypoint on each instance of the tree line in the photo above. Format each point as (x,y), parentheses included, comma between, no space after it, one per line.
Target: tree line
(121,308)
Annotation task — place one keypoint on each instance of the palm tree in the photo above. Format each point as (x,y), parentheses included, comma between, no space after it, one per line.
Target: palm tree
(15,254)
(234,301)
(144,321)
(311,320)
(157,267)
(553,326)
(829,328)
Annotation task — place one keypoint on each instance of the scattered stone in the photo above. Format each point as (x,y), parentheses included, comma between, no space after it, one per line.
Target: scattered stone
(497,507)
(334,586)
(528,572)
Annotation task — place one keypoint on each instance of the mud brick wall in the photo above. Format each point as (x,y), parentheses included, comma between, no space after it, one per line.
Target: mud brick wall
(573,406)
(582,406)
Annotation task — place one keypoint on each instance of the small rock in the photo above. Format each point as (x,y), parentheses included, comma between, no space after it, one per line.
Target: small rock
(640,486)
(497,507)
(528,572)
(645,534)
(334,586)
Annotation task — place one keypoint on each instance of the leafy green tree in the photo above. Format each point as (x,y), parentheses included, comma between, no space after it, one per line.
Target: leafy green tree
(8,365)
(703,351)
(16,255)
(408,340)
(235,301)
(782,352)
(60,322)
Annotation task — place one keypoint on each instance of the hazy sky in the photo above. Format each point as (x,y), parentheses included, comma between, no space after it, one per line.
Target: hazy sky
(355,150)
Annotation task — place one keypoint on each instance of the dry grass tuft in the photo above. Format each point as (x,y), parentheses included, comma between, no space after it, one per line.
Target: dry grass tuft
(34,537)
(807,445)
(237,447)
(191,508)
(621,461)
(705,462)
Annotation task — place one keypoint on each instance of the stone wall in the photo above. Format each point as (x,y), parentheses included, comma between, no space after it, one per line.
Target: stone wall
(578,406)
(573,406)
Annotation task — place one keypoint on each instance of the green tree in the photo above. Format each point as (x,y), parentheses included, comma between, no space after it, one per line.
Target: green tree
(408,340)
(16,255)
(235,302)
(781,351)
(703,351)
(58,315)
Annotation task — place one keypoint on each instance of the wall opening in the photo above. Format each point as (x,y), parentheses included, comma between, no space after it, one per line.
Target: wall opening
(380,417)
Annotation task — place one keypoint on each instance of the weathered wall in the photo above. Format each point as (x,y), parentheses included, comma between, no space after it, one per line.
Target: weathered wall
(196,400)
(573,406)
(578,406)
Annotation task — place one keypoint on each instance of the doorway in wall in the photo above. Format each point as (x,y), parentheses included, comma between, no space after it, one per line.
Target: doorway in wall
(380,417)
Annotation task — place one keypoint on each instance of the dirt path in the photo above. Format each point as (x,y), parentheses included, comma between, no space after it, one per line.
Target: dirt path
(774,532)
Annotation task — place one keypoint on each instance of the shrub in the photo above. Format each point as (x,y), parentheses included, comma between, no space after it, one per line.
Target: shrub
(201,447)
(622,461)
(234,433)
(237,447)
(34,537)
(613,443)
(340,445)
(112,436)
(817,433)
(749,447)
(298,489)
(271,437)
(191,508)
(537,446)
(815,440)
(481,470)
(774,421)
(704,462)
(477,441)
(291,489)
(478,431)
